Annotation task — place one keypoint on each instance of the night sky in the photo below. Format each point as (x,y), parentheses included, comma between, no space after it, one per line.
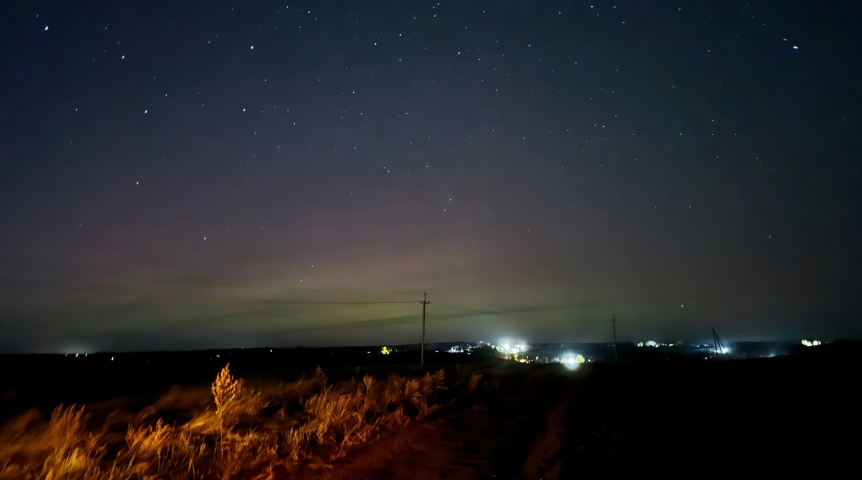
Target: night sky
(190,174)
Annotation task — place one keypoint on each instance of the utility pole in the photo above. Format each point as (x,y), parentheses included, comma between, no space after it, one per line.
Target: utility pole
(718,346)
(614,323)
(424,302)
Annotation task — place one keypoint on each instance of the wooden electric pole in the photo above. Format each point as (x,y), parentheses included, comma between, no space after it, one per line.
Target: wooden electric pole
(424,302)
(614,323)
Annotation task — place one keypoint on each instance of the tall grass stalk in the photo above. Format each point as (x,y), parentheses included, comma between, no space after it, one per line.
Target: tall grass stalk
(243,433)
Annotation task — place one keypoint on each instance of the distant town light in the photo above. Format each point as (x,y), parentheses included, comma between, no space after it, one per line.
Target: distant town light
(572,361)
(510,347)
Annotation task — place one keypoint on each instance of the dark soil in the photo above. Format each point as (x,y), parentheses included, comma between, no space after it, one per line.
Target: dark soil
(783,416)
(746,418)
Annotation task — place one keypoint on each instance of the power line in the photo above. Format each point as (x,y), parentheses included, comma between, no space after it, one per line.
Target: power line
(424,302)
(302,302)
(364,291)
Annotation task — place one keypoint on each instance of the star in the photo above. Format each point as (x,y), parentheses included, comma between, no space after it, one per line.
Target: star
(217,176)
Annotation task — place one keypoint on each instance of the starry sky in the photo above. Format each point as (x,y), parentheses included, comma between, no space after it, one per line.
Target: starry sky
(207,174)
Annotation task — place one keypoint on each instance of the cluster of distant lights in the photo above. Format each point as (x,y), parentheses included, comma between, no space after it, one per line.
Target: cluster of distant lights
(570,360)
(515,349)
(86,354)
(653,344)
(511,348)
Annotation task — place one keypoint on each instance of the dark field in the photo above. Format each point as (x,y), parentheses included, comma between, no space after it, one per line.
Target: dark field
(676,418)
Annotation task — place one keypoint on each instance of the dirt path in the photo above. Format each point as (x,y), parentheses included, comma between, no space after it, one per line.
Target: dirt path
(546,457)
(508,437)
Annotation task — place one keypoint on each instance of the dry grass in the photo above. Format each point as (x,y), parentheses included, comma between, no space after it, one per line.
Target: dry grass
(239,432)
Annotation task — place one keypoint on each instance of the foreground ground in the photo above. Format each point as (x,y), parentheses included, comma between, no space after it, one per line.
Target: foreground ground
(783,416)
(680,419)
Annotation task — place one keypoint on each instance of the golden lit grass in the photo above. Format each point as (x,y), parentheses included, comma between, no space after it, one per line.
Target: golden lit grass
(233,432)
